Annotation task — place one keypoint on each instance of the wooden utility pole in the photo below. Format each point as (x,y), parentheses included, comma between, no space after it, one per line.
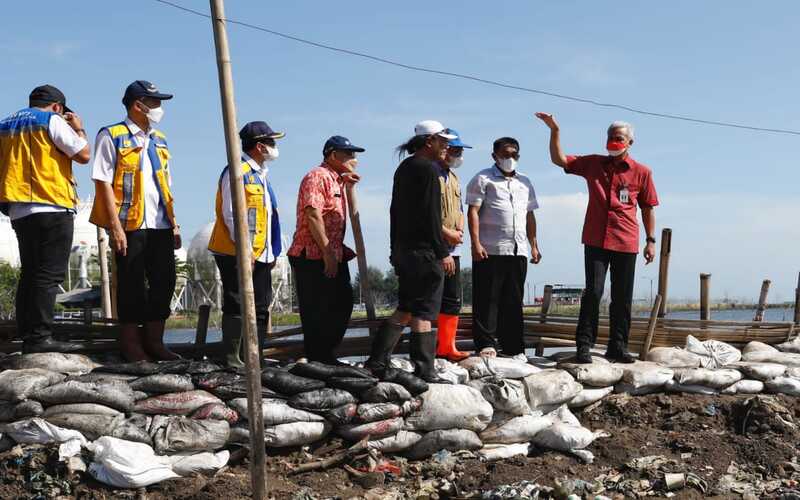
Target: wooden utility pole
(105,283)
(663,269)
(705,281)
(361,252)
(762,301)
(258,473)
(797,302)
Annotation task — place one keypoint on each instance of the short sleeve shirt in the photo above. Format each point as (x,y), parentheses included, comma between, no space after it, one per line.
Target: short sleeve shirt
(611,222)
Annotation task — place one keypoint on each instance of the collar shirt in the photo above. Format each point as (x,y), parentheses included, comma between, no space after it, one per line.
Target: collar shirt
(452,209)
(614,193)
(504,203)
(105,161)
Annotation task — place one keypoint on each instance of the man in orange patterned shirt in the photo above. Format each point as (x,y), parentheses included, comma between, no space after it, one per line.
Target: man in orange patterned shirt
(318,254)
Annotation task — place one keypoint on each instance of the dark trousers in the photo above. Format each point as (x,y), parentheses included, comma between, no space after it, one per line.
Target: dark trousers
(45,240)
(146,276)
(262,287)
(497,291)
(451,294)
(623,266)
(326,305)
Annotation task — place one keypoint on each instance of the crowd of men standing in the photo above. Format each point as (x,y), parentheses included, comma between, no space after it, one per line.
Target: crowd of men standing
(134,203)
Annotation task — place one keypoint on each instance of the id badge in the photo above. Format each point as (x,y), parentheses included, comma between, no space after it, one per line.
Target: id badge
(624,196)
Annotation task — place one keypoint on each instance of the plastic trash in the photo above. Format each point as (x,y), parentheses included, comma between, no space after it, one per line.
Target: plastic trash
(444,439)
(550,387)
(18,385)
(446,406)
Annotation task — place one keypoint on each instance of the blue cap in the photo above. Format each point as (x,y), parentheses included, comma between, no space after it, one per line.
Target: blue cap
(258,131)
(456,143)
(339,143)
(143,88)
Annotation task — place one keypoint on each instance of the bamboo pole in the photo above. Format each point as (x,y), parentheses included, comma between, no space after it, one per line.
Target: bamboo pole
(361,252)
(651,328)
(105,285)
(663,269)
(705,280)
(762,301)
(797,301)
(243,255)
(547,297)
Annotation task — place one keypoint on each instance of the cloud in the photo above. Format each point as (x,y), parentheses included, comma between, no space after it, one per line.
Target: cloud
(53,49)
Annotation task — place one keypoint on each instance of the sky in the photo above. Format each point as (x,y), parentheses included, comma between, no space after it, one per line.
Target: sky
(729,195)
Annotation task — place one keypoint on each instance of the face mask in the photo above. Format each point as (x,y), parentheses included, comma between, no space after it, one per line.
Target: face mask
(507,165)
(615,148)
(271,154)
(455,162)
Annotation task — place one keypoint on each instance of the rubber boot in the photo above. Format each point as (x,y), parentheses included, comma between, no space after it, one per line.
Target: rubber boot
(130,343)
(446,334)
(383,344)
(232,340)
(423,350)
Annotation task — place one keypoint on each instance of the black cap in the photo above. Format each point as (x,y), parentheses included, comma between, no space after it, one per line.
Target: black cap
(258,131)
(339,143)
(46,95)
(143,88)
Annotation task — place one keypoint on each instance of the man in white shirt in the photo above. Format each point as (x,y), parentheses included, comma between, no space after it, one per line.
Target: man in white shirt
(131,171)
(37,191)
(502,227)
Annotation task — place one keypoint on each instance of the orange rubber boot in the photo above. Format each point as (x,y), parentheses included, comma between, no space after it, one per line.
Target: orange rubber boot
(446,333)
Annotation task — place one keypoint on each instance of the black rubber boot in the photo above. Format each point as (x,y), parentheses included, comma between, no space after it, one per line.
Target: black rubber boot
(232,340)
(48,344)
(383,344)
(619,356)
(411,382)
(423,354)
(583,356)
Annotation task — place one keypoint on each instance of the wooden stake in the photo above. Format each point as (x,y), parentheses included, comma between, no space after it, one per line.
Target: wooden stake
(797,302)
(762,301)
(105,284)
(244,261)
(705,280)
(663,269)
(651,328)
(358,237)
(547,297)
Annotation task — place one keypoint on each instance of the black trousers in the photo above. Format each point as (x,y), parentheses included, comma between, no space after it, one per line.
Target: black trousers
(146,276)
(623,266)
(262,287)
(497,292)
(326,305)
(451,294)
(44,240)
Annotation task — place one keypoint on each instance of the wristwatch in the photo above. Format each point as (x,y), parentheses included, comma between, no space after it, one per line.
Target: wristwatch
(650,239)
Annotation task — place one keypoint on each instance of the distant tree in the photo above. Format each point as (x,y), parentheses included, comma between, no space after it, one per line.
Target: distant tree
(466,285)
(384,286)
(9,277)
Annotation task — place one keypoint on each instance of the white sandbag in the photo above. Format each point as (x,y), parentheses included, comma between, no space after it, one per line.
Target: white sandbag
(756,346)
(72,364)
(745,386)
(764,356)
(125,464)
(479,367)
(276,412)
(713,353)
(784,385)
(444,439)
(82,409)
(759,371)
(566,437)
(492,452)
(198,463)
(674,386)
(550,387)
(520,429)
(451,371)
(402,364)
(401,441)
(673,357)
(295,434)
(589,396)
(564,415)
(379,429)
(793,371)
(717,379)
(39,431)
(594,374)
(643,374)
(626,388)
(792,346)
(18,385)
(505,395)
(446,406)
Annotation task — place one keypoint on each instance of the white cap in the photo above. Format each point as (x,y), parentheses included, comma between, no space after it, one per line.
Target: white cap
(432,127)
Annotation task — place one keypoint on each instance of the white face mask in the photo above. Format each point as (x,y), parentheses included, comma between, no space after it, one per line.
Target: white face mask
(507,165)
(154,115)
(455,162)
(271,154)
(616,153)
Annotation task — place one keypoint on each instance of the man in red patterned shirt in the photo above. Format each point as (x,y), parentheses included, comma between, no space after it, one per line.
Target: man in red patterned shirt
(318,254)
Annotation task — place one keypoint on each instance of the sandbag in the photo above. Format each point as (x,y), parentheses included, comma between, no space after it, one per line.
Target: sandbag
(6,443)
(520,429)
(321,371)
(759,371)
(177,403)
(784,385)
(646,374)
(675,386)
(793,371)
(216,411)
(550,387)
(356,385)
(792,346)
(342,415)
(492,452)
(53,361)
(91,426)
(444,439)
(542,362)
(594,374)
(210,381)
(39,431)
(589,396)
(413,384)
(713,353)
(386,392)
(744,386)
(756,346)
(626,388)
(179,366)
(133,429)
(373,412)
(124,464)
(82,409)
(276,412)
(446,406)
(239,390)
(198,463)
(283,435)
(566,437)
(764,356)
(673,357)
(139,395)
(402,364)
(163,383)
(401,441)
(717,379)
(505,395)
(287,383)
(451,371)
(103,377)
(379,429)
(114,394)
(479,367)
(10,411)
(321,399)
(18,385)
(175,434)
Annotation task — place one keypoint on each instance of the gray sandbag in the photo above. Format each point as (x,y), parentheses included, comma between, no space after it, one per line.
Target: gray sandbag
(322,371)
(284,435)
(759,371)
(716,379)
(675,386)
(276,412)
(18,385)
(176,434)
(386,392)
(745,386)
(505,395)
(550,387)
(139,395)
(116,395)
(626,388)
(239,390)
(766,356)
(783,385)
(210,381)
(82,409)
(216,411)
(283,382)
(133,429)
(589,395)
(52,361)
(444,439)
(792,346)
(143,368)
(356,385)
(321,399)
(646,375)
(177,403)
(479,367)
(446,406)
(594,374)
(91,426)
(344,414)
(6,443)
(450,371)
(793,371)
(11,411)
(519,429)
(379,429)
(401,441)
(103,377)
(372,412)
(673,357)
(163,383)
